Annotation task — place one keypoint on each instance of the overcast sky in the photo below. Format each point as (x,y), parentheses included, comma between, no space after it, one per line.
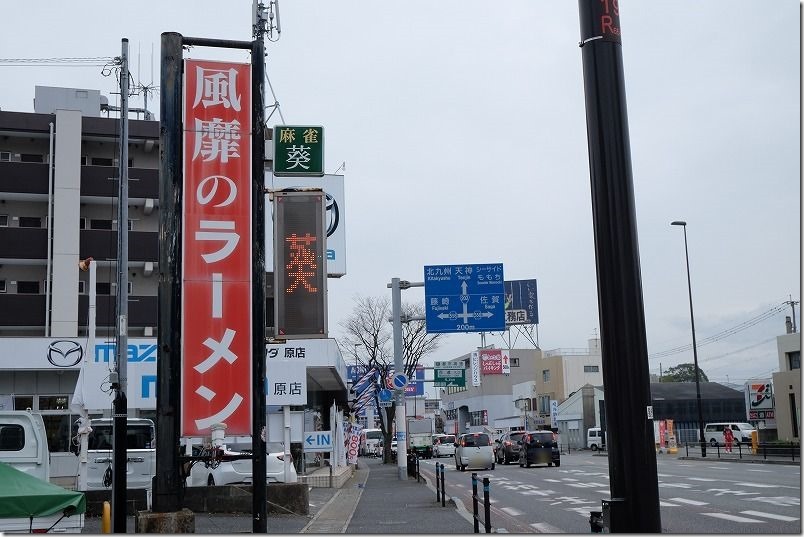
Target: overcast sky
(462,128)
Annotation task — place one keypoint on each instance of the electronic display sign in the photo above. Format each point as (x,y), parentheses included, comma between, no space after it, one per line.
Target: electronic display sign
(300,277)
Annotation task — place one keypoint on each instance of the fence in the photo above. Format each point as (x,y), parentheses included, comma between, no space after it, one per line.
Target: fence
(778,451)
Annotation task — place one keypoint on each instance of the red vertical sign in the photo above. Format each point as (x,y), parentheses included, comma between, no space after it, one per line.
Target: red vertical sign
(216,249)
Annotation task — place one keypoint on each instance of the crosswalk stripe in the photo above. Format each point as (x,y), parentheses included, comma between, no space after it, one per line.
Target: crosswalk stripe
(511,511)
(733,518)
(690,502)
(770,515)
(544,527)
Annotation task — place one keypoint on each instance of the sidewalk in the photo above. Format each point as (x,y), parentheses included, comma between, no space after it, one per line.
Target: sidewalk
(375,500)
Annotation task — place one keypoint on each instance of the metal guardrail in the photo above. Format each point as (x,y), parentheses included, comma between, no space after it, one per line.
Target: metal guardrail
(768,451)
(486,504)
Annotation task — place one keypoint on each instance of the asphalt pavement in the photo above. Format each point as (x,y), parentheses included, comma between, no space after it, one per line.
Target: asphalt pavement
(374,500)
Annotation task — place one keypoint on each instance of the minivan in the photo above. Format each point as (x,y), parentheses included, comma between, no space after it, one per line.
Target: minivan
(595,439)
(474,450)
(713,433)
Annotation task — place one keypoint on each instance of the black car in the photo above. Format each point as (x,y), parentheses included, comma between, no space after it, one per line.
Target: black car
(539,447)
(507,448)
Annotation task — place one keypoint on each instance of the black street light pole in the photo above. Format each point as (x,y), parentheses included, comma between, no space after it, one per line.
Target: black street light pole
(694,346)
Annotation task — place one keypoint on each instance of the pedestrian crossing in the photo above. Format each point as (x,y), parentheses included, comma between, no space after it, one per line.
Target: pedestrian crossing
(703,492)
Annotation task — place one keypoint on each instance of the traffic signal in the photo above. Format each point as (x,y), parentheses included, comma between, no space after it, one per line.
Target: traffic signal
(300,271)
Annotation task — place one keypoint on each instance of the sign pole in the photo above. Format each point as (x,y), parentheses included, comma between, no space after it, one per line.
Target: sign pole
(401,425)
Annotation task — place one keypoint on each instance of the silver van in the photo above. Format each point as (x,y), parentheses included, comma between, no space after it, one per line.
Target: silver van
(713,432)
(475,451)
(140,452)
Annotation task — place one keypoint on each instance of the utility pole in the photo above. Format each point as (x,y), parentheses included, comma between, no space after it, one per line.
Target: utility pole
(634,503)
(120,453)
(399,395)
(793,307)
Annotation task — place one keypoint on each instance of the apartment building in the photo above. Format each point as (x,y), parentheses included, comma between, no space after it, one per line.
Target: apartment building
(58,205)
(787,385)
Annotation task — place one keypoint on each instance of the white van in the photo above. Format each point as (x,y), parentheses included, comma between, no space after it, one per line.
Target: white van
(23,446)
(141,454)
(595,439)
(713,432)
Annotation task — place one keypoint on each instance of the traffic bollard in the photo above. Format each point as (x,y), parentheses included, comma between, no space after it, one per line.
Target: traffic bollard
(475,518)
(438,484)
(486,504)
(443,489)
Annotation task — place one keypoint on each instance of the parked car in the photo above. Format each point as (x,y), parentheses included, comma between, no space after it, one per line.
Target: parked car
(444,445)
(474,450)
(595,439)
(713,433)
(508,447)
(539,447)
(238,471)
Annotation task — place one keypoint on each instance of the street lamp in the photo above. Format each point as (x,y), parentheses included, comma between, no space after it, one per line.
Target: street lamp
(694,346)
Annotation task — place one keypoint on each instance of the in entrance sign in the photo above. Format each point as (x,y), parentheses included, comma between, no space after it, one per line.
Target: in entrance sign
(298,150)
(318,440)
(464,298)
(449,375)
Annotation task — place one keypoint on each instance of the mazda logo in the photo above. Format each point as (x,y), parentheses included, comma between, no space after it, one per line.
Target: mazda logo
(333,215)
(64,353)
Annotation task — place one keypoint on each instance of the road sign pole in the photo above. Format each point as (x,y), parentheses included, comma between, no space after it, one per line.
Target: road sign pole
(401,424)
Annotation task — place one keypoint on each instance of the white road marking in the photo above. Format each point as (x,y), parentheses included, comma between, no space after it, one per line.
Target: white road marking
(758,485)
(553,480)
(544,527)
(511,511)
(763,471)
(770,515)
(702,479)
(604,492)
(666,504)
(690,502)
(733,518)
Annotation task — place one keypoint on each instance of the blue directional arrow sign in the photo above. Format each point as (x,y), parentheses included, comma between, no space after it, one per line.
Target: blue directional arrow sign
(385,395)
(464,298)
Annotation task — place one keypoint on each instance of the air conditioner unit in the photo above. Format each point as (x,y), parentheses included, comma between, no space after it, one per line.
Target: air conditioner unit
(148,207)
(148,269)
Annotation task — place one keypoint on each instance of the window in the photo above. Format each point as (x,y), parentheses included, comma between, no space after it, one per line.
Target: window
(81,287)
(30,221)
(591,369)
(544,404)
(3,220)
(2,286)
(794,360)
(95,223)
(27,288)
(103,288)
(476,440)
(102,161)
(28,157)
(514,362)
(53,402)
(5,156)
(545,375)
(12,437)
(23,402)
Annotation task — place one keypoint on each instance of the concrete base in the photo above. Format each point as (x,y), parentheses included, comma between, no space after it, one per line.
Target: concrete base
(176,522)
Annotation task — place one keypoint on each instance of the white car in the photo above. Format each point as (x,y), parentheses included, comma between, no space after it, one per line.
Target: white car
(474,450)
(239,471)
(444,445)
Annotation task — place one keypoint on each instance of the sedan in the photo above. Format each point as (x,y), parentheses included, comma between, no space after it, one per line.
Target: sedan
(539,447)
(238,471)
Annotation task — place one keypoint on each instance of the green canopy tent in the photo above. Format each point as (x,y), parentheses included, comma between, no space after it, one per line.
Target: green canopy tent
(25,496)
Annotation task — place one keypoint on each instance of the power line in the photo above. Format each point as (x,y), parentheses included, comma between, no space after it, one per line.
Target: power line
(776,310)
(68,61)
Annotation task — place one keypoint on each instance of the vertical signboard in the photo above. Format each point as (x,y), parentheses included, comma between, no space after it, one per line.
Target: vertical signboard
(491,362)
(475,368)
(300,272)
(759,400)
(521,302)
(216,249)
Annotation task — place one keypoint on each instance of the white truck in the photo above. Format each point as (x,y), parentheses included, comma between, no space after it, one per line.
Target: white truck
(23,446)
(420,437)
(140,454)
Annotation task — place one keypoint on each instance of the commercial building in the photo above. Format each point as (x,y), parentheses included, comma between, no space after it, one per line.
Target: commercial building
(58,205)
(787,385)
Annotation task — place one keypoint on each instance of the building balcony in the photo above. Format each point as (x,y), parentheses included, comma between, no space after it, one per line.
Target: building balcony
(28,311)
(31,244)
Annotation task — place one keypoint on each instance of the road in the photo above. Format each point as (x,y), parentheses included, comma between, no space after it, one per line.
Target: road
(695,496)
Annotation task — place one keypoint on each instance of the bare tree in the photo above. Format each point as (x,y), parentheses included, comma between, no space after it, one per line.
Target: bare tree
(369,341)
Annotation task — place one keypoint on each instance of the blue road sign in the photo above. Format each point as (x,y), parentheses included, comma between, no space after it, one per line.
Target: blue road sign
(400,381)
(464,298)
(385,395)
